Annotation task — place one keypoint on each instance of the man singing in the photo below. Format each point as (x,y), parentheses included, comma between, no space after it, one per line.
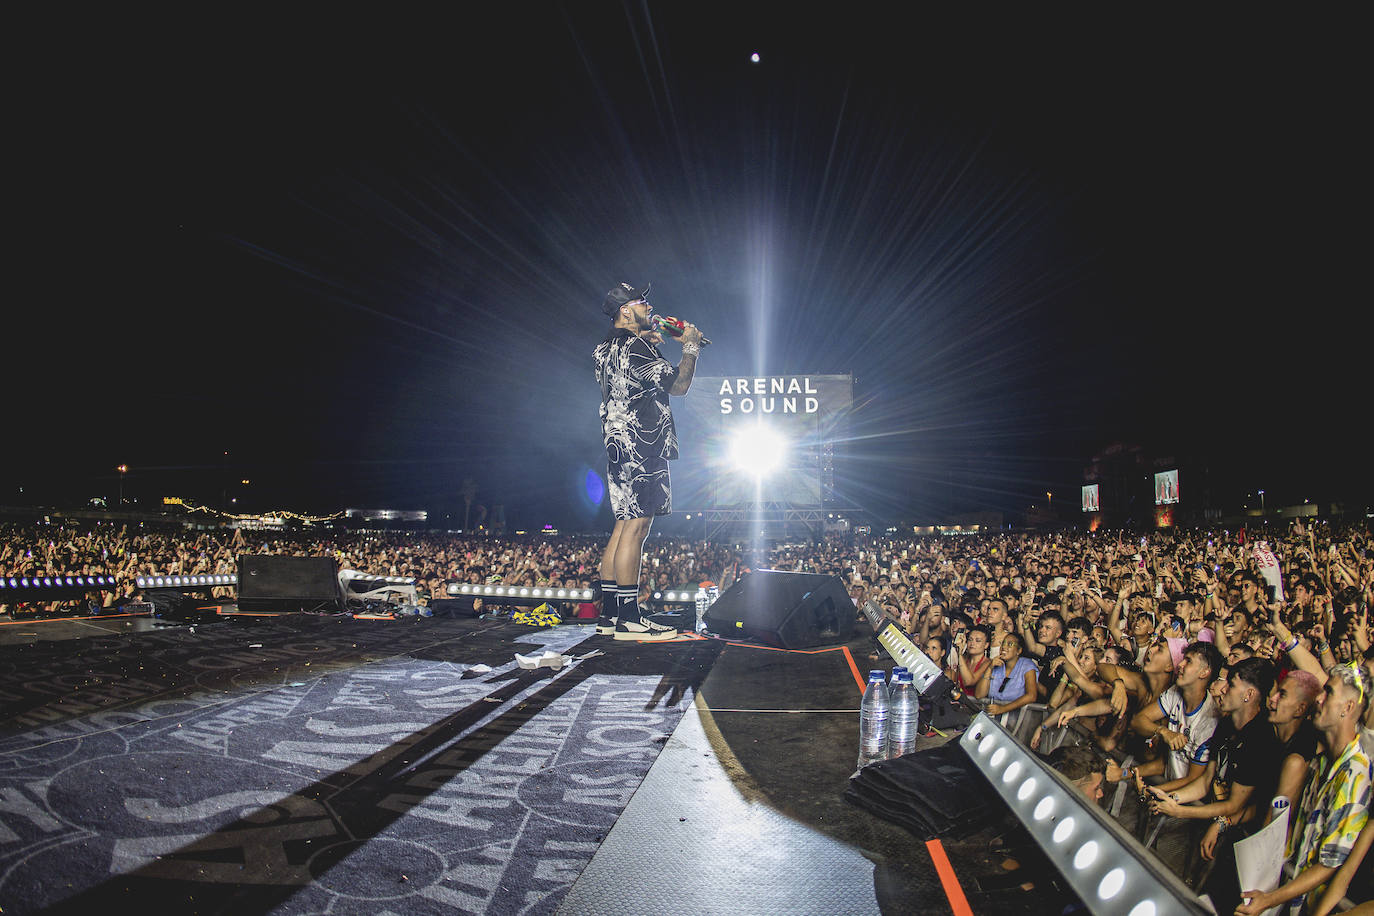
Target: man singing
(637,426)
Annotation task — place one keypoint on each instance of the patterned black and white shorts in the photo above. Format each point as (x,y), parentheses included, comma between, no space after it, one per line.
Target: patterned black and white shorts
(638,487)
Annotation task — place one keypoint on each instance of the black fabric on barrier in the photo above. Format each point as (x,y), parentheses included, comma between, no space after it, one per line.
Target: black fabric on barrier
(454,607)
(937,792)
(171,603)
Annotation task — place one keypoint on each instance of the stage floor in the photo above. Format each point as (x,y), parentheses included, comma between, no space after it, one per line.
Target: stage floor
(28,630)
(699,776)
(744,810)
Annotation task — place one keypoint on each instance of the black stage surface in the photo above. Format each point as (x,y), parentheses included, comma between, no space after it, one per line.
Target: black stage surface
(319,764)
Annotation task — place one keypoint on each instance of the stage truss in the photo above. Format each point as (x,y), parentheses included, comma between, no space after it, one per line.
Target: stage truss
(778,517)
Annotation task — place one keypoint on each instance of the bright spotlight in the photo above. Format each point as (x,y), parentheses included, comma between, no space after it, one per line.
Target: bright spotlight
(757,450)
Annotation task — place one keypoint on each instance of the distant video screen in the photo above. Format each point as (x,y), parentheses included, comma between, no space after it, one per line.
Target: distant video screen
(1091,501)
(1166,488)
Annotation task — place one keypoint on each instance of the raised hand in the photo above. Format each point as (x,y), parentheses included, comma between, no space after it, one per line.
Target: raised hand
(1119,697)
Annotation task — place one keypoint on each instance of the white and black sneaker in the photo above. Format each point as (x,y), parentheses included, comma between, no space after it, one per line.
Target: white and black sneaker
(605,626)
(644,631)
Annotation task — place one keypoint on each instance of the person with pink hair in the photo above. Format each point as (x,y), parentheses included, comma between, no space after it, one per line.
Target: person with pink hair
(1290,713)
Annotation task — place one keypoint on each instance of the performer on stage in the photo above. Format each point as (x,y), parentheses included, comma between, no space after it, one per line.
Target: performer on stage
(637,426)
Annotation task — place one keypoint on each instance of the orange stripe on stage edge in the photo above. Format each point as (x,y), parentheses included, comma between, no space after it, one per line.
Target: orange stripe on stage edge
(11,623)
(953,892)
(750,645)
(858,678)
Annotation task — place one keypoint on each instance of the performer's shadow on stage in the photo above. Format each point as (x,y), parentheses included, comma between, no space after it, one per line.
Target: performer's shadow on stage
(352,807)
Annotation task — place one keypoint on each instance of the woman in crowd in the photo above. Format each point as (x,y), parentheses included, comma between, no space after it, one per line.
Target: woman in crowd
(1077,682)
(937,650)
(1010,682)
(971,659)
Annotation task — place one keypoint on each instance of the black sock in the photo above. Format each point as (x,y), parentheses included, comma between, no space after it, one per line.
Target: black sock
(627,604)
(608,598)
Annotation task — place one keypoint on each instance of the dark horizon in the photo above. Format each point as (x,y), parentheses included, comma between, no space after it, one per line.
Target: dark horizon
(369,276)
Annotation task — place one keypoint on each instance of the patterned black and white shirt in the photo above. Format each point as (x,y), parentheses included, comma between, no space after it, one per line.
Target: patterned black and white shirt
(636,421)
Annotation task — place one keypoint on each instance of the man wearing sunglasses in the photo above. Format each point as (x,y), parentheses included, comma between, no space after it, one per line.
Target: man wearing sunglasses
(637,426)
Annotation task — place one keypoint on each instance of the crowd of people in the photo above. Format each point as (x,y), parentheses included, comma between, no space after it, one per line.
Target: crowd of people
(125,552)
(1232,667)
(1233,670)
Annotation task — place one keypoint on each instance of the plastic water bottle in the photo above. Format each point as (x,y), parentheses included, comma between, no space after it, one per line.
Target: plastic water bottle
(901,728)
(896,676)
(873,714)
(703,602)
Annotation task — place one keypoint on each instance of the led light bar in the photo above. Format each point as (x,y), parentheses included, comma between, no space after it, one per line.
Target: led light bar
(17,583)
(186,581)
(534,594)
(363,579)
(676,597)
(1106,867)
(928,677)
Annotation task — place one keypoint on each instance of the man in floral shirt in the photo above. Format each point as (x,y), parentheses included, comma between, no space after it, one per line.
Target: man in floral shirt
(637,426)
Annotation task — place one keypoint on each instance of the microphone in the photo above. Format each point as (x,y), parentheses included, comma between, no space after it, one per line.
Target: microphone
(673,327)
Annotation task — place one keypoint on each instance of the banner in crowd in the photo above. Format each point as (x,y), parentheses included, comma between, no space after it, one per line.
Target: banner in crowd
(1091,498)
(1166,488)
(1269,568)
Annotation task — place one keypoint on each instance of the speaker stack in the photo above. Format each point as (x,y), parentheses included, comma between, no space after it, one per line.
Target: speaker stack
(786,610)
(272,584)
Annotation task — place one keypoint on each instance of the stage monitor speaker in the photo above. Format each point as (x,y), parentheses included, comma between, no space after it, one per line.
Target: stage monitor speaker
(785,609)
(171,604)
(283,584)
(454,607)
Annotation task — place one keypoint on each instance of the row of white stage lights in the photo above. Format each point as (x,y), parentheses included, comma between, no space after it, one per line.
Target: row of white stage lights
(468,590)
(352,575)
(108,581)
(185,581)
(58,582)
(454,589)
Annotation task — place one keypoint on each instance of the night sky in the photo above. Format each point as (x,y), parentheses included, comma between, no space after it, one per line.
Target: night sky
(366,259)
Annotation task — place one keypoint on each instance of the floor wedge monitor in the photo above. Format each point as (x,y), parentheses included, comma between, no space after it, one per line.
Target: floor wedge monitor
(788,610)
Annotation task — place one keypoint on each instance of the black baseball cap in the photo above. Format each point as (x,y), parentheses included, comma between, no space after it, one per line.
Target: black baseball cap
(621,294)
